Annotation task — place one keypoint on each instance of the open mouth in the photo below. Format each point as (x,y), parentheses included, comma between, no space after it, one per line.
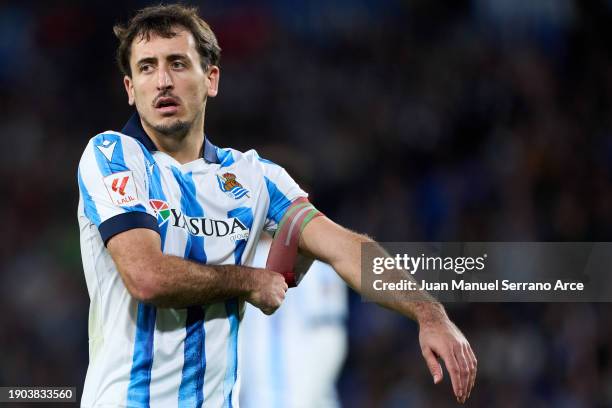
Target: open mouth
(167,105)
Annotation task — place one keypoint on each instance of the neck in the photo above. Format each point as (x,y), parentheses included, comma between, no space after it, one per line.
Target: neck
(182,148)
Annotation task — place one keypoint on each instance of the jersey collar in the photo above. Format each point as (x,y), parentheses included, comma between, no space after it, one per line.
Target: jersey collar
(134,129)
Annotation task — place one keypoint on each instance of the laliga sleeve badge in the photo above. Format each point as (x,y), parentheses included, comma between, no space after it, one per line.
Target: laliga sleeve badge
(121,188)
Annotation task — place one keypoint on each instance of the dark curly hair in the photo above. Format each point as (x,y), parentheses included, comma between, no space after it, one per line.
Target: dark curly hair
(162,20)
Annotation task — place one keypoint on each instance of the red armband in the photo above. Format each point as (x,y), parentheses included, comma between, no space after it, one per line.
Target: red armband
(283,255)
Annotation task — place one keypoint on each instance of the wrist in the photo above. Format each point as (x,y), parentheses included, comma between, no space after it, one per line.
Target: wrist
(430,313)
(251,280)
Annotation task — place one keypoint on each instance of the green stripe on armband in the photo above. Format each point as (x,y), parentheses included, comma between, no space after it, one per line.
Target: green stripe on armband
(290,213)
(312,214)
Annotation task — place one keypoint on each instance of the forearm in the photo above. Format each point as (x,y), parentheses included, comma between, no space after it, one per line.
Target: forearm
(178,283)
(169,281)
(342,248)
(438,336)
(416,304)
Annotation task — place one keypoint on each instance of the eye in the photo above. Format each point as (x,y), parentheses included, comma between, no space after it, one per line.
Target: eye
(145,68)
(178,65)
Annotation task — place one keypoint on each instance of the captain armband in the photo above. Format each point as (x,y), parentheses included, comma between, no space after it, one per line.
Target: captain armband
(297,216)
(283,256)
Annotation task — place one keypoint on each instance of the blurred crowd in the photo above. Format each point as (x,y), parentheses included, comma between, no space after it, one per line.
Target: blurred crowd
(471,120)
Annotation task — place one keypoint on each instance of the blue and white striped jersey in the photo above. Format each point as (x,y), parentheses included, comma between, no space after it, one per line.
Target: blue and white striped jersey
(211,210)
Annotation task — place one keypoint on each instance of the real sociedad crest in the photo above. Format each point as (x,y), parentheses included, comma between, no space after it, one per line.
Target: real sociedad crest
(229,185)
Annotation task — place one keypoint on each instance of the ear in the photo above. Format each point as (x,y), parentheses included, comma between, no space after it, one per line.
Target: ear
(129,89)
(213,80)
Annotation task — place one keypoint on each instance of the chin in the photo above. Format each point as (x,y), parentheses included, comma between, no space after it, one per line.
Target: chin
(168,120)
(173,127)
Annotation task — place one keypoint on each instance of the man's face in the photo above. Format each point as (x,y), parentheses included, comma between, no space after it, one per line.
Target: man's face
(168,84)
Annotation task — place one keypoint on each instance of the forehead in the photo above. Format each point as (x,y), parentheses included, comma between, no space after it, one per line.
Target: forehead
(157,46)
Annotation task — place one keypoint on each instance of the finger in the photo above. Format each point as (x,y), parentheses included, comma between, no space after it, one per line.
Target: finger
(471,370)
(474,368)
(452,366)
(471,360)
(464,371)
(432,363)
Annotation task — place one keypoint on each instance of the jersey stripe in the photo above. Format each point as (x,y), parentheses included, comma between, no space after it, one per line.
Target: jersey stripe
(261,159)
(190,207)
(140,375)
(231,307)
(156,191)
(89,206)
(142,362)
(245,215)
(191,391)
(278,201)
(117,162)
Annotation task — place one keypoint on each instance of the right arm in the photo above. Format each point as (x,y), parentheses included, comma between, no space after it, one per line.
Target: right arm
(130,232)
(169,281)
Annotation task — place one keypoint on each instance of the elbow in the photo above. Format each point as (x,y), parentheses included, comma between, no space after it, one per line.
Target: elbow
(144,284)
(145,293)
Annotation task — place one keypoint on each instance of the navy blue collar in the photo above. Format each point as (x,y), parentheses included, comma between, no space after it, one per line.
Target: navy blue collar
(134,129)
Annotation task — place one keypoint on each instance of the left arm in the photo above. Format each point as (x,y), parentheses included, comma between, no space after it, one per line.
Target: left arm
(439,337)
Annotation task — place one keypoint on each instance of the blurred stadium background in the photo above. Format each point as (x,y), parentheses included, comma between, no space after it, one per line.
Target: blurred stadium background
(408,120)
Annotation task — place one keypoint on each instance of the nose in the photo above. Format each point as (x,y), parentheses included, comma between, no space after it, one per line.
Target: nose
(164,80)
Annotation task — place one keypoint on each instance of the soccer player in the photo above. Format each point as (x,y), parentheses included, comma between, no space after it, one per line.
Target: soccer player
(292,359)
(168,225)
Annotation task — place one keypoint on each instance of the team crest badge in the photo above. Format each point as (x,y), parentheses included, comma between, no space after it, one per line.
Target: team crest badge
(230,186)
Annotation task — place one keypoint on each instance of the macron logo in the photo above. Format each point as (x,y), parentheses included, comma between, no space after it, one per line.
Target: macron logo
(107,148)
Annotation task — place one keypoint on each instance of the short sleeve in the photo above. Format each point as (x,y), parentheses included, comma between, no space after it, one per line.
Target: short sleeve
(113,185)
(282,191)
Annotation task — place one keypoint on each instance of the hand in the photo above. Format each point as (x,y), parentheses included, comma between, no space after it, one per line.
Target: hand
(442,339)
(269,291)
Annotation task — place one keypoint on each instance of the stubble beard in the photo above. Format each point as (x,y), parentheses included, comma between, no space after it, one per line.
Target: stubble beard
(176,130)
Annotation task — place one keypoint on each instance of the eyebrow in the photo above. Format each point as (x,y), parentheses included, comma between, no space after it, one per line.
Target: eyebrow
(152,60)
(174,57)
(146,60)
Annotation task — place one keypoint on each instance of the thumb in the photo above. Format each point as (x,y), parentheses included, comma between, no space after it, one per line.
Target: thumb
(432,363)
